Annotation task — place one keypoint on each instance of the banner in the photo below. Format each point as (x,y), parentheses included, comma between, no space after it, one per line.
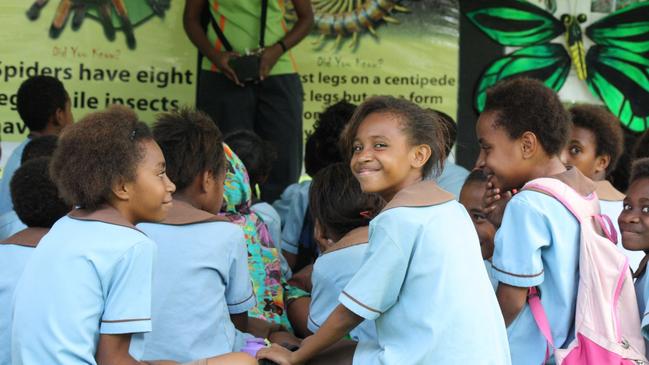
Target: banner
(132,52)
(361,48)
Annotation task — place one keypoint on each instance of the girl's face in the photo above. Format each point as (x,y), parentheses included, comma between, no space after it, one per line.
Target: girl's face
(500,155)
(150,196)
(382,159)
(634,219)
(471,197)
(581,153)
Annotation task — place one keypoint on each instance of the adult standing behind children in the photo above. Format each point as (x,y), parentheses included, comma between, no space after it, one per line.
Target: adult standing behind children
(272,107)
(45,108)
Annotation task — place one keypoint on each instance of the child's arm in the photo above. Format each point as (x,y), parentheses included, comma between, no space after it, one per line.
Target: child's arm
(339,323)
(113,350)
(511,300)
(494,202)
(240,321)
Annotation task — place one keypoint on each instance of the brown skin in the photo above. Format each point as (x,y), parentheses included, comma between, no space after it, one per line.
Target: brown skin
(298,314)
(634,219)
(581,152)
(471,197)
(196,34)
(512,162)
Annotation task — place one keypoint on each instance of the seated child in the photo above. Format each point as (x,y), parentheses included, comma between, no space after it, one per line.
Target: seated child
(257,156)
(37,203)
(45,108)
(43,146)
(201,276)
(86,290)
(634,224)
(595,145)
(342,213)
(521,132)
(471,196)
(422,274)
(453,176)
(321,150)
(274,297)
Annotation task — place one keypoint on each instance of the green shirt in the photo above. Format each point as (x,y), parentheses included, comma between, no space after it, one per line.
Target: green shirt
(240,21)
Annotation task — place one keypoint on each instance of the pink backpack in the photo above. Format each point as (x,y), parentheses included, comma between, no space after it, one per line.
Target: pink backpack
(607,322)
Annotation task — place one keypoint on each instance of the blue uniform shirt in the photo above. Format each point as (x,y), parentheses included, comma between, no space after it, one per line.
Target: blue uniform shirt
(90,275)
(13,163)
(424,283)
(201,277)
(292,209)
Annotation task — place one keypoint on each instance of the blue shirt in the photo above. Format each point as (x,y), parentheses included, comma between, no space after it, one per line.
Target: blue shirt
(331,273)
(201,278)
(13,163)
(537,244)
(424,283)
(86,277)
(292,207)
(10,224)
(452,178)
(642,295)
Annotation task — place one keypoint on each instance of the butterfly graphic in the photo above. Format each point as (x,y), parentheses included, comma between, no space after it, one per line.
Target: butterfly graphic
(616,68)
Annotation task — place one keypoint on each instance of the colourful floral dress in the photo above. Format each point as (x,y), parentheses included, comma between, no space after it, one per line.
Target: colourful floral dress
(269,284)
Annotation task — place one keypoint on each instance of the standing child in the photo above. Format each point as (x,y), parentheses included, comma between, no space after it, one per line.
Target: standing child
(201,277)
(37,203)
(634,224)
(423,273)
(342,213)
(522,132)
(595,146)
(86,290)
(471,196)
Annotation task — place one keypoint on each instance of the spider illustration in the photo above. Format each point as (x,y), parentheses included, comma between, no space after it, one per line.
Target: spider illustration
(128,14)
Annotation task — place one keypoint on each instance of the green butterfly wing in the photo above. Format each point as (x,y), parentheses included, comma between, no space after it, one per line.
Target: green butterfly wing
(627,28)
(548,62)
(621,80)
(513,22)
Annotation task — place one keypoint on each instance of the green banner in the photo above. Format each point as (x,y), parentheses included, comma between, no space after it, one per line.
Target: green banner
(361,48)
(137,55)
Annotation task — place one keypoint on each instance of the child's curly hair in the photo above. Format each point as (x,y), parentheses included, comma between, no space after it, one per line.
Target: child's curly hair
(96,153)
(639,170)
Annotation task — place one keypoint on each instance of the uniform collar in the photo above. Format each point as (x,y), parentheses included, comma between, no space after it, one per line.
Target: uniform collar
(28,237)
(606,191)
(577,181)
(183,213)
(421,194)
(106,213)
(354,237)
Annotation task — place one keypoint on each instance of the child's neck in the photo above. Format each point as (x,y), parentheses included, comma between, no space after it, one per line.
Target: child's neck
(414,178)
(189,198)
(551,166)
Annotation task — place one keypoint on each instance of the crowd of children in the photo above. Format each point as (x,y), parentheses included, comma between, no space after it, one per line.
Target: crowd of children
(124,244)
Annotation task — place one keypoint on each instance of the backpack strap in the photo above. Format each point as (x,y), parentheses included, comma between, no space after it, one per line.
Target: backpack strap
(582,207)
(541,319)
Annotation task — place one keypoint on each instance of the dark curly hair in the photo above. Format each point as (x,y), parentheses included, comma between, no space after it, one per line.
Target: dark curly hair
(35,197)
(450,130)
(321,147)
(639,170)
(420,125)
(43,146)
(38,99)
(641,148)
(606,128)
(96,153)
(256,154)
(191,144)
(336,201)
(477,175)
(527,105)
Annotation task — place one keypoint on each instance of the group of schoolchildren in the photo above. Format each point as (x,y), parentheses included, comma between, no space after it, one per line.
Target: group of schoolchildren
(124,244)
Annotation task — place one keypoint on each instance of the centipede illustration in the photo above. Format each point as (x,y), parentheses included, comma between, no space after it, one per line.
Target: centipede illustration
(113,15)
(342,19)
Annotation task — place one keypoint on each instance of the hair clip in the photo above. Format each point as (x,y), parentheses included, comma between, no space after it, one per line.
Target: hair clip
(366,214)
(131,136)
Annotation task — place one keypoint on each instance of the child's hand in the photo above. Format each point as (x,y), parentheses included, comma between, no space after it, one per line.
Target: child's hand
(278,354)
(494,202)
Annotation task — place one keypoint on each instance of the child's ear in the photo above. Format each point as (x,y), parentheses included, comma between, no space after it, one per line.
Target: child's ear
(122,190)
(206,181)
(420,155)
(529,145)
(59,118)
(602,162)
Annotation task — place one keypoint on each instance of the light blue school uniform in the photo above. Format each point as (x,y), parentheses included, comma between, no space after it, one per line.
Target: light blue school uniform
(331,273)
(490,271)
(271,218)
(452,177)
(293,221)
(537,244)
(14,253)
(424,283)
(201,277)
(10,224)
(642,295)
(90,275)
(13,163)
